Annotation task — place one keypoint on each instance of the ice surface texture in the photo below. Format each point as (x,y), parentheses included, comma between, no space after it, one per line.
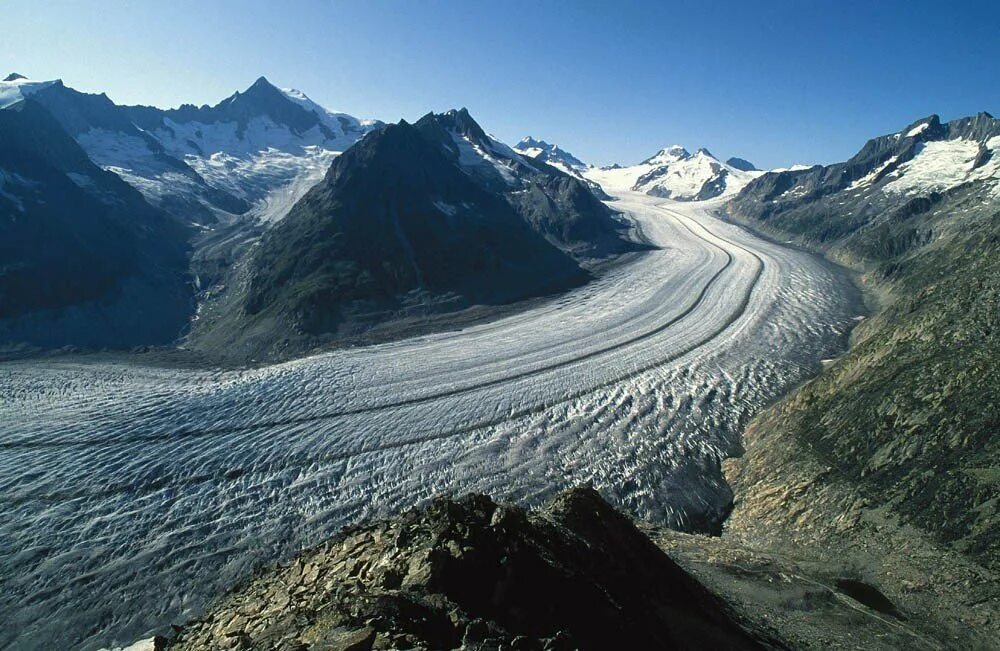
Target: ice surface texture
(131,495)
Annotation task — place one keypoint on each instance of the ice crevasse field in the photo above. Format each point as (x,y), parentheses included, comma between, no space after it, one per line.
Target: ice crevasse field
(162,486)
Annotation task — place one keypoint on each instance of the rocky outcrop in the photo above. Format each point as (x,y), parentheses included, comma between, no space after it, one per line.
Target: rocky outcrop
(468,573)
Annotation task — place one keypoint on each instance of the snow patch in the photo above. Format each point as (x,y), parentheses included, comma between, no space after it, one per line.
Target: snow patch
(12,92)
(798,167)
(938,165)
(917,130)
(871,176)
(9,181)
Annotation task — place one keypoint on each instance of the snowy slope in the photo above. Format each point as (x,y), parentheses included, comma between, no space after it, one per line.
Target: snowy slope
(551,154)
(15,88)
(942,165)
(258,141)
(204,163)
(674,173)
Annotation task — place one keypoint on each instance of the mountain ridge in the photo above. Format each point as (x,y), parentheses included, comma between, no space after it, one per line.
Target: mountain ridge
(675,173)
(413,222)
(892,449)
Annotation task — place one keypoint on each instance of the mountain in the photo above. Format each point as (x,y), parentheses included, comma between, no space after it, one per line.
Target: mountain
(113,141)
(413,221)
(558,205)
(741,164)
(675,173)
(892,452)
(84,259)
(202,164)
(255,141)
(891,179)
(551,154)
(468,573)
(560,159)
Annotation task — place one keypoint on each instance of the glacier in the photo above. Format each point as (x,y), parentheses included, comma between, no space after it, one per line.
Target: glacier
(134,491)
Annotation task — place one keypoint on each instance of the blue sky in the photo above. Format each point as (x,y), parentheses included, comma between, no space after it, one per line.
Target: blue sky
(775,82)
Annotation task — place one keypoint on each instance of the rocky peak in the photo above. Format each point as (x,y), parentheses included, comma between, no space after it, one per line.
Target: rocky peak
(461,122)
(741,164)
(14,77)
(470,573)
(528,142)
(549,153)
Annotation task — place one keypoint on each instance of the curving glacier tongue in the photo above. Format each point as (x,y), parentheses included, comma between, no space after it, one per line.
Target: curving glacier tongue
(134,492)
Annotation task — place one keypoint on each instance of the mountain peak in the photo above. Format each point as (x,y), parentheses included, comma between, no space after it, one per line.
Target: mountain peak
(741,164)
(14,76)
(461,121)
(704,152)
(262,82)
(548,153)
(673,153)
(528,142)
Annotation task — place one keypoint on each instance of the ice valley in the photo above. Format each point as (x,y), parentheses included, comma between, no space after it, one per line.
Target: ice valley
(132,493)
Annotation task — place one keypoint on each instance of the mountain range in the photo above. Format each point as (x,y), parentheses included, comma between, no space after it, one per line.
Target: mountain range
(265,227)
(675,173)
(415,220)
(420,220)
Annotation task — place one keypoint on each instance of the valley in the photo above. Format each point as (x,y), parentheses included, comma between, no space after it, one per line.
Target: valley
(165,485)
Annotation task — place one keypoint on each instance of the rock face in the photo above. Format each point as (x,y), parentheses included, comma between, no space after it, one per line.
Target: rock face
(471,574)
(741,164)
(84,259)
(411,223)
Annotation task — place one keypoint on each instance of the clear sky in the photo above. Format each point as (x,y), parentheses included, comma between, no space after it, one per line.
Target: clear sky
(777,82)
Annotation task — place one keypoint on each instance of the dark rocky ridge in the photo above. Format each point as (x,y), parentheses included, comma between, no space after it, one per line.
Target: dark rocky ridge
(375,228)
(411,223)
(741,164)
(468,573)
(85,260)
(566,209)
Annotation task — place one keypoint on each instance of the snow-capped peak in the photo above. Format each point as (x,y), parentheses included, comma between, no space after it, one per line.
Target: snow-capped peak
(671,154)
(330,118)
(551,154)
(15,87)
(677,174)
